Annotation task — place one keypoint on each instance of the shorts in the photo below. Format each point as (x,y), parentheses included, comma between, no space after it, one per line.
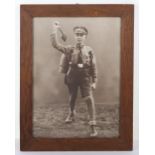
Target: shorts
(83,83)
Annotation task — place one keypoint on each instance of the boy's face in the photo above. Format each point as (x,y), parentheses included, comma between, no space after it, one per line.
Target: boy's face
(80,38)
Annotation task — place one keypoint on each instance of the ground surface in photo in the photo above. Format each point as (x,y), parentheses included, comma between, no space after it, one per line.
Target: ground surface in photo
(49,121)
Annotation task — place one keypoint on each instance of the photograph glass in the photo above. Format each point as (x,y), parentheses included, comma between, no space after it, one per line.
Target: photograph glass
(95,109)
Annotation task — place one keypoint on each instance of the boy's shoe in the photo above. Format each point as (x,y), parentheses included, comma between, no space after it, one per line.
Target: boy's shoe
(94,134)
(93,129)
(70,117)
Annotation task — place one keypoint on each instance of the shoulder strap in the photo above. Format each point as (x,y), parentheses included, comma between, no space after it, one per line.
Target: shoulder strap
(91,56)
(70,54)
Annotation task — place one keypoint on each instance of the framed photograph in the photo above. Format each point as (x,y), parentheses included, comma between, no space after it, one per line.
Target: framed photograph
(76,77)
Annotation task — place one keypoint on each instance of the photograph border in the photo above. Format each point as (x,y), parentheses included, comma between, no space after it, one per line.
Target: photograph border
(125,139)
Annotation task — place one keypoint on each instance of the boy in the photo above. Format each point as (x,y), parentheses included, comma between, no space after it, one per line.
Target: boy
(80,65)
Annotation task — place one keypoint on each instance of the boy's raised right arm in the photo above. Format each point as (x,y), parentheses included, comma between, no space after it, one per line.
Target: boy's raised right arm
(54,38)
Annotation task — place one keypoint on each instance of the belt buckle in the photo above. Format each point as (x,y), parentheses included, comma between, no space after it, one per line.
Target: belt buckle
(80,65)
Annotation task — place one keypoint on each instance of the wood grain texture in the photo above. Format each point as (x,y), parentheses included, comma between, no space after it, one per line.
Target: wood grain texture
(125,141)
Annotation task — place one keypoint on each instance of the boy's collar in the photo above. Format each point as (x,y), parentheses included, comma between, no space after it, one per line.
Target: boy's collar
(79,45)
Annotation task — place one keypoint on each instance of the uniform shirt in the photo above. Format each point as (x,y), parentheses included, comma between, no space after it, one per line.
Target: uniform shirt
(71,53)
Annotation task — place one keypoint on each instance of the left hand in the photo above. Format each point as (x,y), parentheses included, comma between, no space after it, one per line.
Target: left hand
(93,86)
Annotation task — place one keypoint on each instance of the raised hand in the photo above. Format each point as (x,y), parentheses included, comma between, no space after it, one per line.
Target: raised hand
(93,86)
(56,25)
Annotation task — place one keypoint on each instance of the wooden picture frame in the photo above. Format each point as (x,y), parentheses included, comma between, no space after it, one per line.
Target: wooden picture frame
(125,140)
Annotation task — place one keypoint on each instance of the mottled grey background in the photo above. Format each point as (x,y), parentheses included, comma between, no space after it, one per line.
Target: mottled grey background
(103,37)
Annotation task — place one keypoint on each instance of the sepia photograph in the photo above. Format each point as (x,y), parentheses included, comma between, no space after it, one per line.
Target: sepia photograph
(76,77)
